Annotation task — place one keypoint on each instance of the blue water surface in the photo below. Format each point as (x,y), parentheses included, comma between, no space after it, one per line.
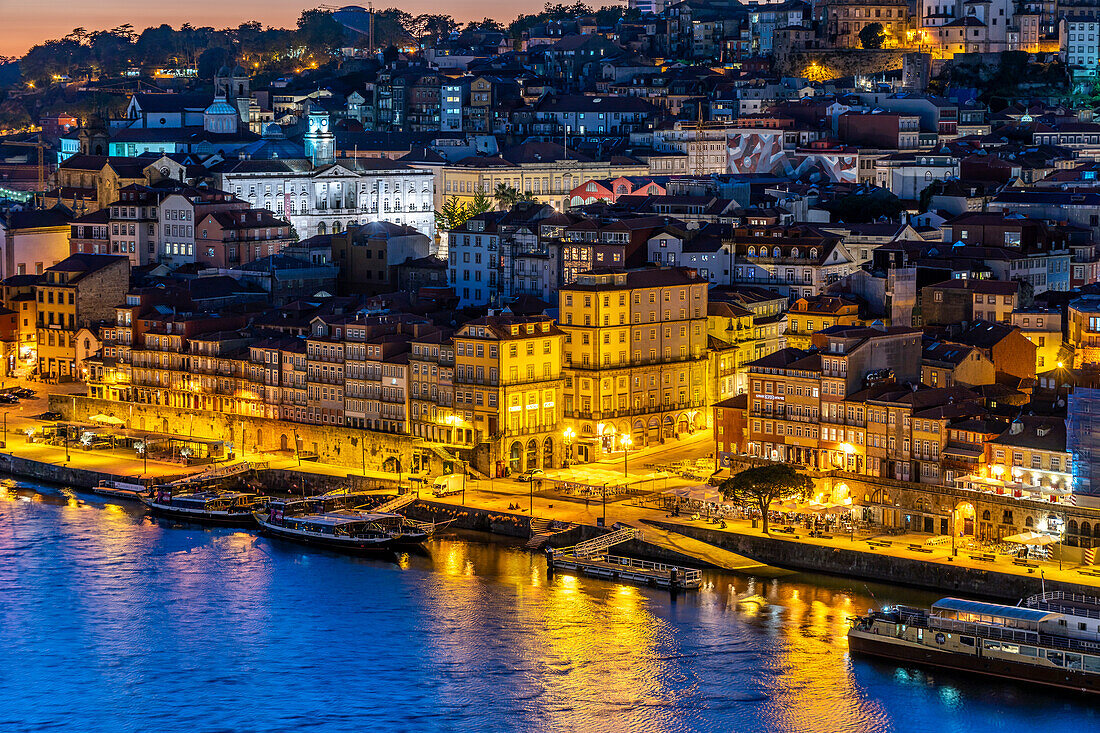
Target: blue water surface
(113,621)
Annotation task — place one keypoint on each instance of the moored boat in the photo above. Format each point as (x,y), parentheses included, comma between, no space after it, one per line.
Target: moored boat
(347,531)
(1052,639)
(230,508)
(121,490)
(334,501)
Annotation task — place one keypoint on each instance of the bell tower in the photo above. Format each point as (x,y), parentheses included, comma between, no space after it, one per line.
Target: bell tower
(319,140)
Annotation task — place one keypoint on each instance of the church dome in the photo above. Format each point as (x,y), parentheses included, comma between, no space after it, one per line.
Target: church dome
(219,107)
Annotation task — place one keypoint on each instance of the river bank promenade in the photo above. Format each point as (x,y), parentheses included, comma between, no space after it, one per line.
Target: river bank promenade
(643,508)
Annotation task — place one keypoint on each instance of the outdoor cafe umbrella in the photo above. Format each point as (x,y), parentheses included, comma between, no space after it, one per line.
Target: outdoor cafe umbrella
(683,492)
(108,419)
(705,495)
(1030,538)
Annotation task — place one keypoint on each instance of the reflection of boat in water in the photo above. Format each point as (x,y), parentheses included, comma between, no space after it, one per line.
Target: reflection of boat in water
(121,490)
(1052,639)
(210,507)
(346,531)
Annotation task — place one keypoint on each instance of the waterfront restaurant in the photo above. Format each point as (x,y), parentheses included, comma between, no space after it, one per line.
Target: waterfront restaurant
(1016,489)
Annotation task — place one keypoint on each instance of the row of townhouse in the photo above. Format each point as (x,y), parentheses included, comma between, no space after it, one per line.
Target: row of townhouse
(515,393)
(173,224)
(531,250)
(857,404)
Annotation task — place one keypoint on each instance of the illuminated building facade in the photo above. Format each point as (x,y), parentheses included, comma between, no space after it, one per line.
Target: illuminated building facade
(635,357)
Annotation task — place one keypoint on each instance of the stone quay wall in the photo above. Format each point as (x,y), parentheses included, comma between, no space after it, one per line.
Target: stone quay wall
(352,448)
(879,567)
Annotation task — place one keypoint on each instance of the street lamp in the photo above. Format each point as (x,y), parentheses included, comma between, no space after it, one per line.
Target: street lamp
(626,441)
(603,494)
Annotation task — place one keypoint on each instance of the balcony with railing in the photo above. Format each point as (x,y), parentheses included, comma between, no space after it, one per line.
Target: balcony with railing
(657,409)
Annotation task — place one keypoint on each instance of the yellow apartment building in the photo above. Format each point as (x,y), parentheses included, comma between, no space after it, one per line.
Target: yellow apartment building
(80,290)
(508,387)
(807,315)
(635,357)
(544,170)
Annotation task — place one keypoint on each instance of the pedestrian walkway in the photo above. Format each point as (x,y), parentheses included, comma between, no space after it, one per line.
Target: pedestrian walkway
(709,554)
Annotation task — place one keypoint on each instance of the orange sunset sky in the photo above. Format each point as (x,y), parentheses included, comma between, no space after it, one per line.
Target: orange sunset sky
(24,23)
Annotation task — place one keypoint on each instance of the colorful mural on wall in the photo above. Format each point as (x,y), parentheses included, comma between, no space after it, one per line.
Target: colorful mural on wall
(762,152)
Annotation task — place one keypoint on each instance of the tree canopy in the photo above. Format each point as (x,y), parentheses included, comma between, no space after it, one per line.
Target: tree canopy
(759,487)
(454,213)
(507,196)
(872,35)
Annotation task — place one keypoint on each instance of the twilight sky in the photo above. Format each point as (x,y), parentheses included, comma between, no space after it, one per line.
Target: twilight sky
(24,23)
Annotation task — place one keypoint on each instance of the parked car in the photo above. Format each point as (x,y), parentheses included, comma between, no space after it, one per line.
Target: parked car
(51,416)
(530,475)
(8,399)
(23,392)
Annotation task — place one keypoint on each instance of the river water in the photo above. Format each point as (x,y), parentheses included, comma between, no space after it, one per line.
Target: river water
(111,620)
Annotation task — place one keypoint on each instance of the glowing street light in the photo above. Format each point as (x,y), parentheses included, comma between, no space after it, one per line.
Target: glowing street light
(569,434)
(626,441)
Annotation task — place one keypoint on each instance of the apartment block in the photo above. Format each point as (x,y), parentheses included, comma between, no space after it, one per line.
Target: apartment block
(635,357)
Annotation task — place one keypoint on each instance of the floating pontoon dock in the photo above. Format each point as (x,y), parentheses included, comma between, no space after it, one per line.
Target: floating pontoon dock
(591,558)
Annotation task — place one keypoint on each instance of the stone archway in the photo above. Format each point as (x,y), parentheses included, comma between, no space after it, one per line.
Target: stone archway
(548,452)
(284,442)
(532,454)
(515,458)
(964,516)
(392,465)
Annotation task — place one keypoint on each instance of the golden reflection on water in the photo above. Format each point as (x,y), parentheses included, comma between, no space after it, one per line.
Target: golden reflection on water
(817,691)
(603,653)
(587,650)
(584,654)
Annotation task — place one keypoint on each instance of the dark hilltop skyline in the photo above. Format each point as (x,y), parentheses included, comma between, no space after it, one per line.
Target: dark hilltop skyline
(26,23)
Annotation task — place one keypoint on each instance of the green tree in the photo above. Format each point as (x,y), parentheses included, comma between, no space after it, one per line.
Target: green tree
(451,215)
(319,32)
(13,115)
(485,24)
(210,61)
(759,487)
(507,196)
(864,206)
(479,205)
(872,35)
(431,27)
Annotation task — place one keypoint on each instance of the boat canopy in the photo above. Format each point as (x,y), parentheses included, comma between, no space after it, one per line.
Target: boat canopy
(991,613)
(344,519)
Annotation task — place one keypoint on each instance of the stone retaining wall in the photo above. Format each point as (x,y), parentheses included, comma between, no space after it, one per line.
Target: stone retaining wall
(352,448)
(878,567)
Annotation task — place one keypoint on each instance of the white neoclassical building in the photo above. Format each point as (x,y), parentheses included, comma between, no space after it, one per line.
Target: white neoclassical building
(319,194)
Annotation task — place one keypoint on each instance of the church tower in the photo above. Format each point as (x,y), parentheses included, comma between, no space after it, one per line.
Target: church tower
(319,140)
